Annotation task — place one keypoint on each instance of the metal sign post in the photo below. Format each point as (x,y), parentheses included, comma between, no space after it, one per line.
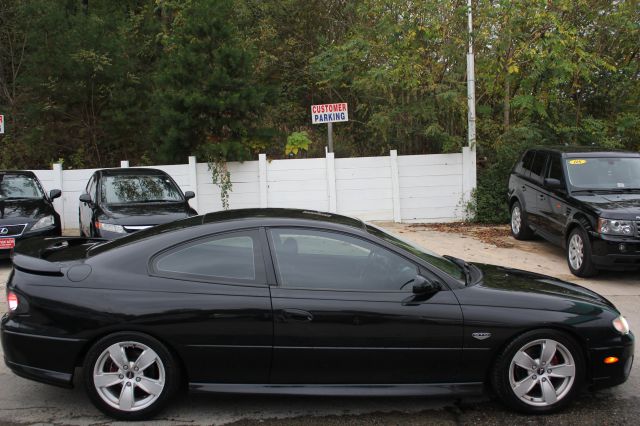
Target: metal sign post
(329,113)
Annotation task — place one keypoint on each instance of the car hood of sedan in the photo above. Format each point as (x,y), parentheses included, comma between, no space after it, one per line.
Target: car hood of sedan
(615,206)
(145,214)
(22,211)
(521,289)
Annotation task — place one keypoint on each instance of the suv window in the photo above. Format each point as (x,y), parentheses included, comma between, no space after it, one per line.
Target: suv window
(526,161)
(233,257)
(331,260)
(555,169)
(537,167)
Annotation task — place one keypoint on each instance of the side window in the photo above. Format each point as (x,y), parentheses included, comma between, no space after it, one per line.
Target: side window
(330,260)
(232,257)
(91,188)
(526,162)
(537,167)
(555,169)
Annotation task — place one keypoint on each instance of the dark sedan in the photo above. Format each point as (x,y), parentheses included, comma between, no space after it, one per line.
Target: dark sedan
(117,202)
(25,209)
(275,301)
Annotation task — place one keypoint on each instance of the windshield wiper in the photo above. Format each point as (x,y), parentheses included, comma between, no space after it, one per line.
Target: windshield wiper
(157,201)
(464,267)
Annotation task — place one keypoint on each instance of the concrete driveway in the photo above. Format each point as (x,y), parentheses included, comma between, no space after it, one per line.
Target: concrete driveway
(26,402)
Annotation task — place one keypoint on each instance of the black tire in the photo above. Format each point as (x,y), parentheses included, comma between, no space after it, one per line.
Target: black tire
(586,268)
(523,232)
(500,377)
(96,360)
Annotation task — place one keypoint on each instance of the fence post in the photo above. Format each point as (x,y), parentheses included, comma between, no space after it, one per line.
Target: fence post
(57,184)
(331,183)
(193,180)
(395,185)
(262,173)
(468,177)
(124,164)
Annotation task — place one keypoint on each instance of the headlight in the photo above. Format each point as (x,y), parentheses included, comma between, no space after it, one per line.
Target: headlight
(615,227)
(45,222)
(621,325)
(109,227)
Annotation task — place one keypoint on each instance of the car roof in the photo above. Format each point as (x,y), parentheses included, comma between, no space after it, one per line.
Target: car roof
(586,151)
(18,172)
(131,171)
(282,213)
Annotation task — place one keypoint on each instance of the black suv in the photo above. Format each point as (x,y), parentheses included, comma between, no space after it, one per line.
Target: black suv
(584,200)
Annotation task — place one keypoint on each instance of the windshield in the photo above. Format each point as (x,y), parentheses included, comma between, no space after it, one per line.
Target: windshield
(138,189)
(434,259)
(19,186)
(603,173)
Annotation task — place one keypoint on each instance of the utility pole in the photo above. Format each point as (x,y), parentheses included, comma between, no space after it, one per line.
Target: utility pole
(471,84)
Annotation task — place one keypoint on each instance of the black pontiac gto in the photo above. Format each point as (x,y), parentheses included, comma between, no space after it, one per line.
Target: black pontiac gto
(25,209)
(299,302)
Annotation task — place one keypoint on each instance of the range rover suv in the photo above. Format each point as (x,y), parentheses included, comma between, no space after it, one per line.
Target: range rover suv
(583,199)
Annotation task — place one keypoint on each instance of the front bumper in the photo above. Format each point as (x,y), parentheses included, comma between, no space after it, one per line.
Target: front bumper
(607,375)
(618,253)
(44,359)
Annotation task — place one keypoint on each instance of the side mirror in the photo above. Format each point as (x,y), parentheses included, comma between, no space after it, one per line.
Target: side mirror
(552,183)
(86,198)
(423,286)
(189,195)
(55,193)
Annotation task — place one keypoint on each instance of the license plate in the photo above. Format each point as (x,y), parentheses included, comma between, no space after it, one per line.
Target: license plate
(7,243)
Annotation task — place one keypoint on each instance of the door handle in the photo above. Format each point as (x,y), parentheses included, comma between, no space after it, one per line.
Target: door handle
(296,315)
(524,188)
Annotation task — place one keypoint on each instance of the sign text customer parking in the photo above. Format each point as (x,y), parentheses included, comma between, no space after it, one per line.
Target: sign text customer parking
(329,113)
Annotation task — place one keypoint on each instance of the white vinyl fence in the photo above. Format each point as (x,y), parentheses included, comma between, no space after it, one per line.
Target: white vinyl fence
(406,188)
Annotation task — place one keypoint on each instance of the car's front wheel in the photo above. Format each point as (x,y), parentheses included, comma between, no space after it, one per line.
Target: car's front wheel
(539,372)
(130,376)
(579,254)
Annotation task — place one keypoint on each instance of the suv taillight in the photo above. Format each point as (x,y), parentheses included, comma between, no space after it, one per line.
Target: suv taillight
(12,301)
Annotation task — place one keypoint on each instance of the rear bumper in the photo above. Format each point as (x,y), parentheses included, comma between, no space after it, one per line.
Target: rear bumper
(607,375)
(41,358)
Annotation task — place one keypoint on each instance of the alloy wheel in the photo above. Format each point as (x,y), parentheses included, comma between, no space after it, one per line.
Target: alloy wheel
(576,251)
(129,376)
(516,220)
(542,372)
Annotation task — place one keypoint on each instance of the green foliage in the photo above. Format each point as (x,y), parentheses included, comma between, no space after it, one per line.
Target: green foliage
(297,142)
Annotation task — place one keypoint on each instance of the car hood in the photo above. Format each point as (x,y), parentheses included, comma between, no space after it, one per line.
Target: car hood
(614,206)
(145,214)
(515,288)
(23,211)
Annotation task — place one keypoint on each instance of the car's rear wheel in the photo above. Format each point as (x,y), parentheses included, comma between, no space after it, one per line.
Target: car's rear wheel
(539,372)
(519,225)
(130,376)
(579,254)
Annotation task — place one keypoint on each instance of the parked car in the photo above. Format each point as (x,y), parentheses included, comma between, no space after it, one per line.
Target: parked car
(278,301)
(121,201)
(584,200)
(25,209)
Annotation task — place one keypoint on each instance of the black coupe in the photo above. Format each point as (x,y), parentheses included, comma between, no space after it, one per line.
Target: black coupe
(299,302)
(26,210)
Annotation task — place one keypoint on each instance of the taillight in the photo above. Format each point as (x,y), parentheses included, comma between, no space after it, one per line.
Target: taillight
(12,301)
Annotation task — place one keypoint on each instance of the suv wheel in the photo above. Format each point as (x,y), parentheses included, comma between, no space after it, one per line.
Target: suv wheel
(519,225)
(579,254)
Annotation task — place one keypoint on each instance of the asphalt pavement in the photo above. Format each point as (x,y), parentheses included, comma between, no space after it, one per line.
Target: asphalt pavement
(26,402)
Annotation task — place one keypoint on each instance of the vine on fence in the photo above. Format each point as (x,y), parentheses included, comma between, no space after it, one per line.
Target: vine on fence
(220,176)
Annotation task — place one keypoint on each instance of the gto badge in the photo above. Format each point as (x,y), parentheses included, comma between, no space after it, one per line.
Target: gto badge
(4,231)
(481,336)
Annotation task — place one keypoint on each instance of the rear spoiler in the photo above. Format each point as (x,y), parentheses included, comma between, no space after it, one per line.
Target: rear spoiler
(44,255)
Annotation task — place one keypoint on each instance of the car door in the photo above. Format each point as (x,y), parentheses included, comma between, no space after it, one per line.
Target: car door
(532,192)
(551,202)
(344,313)
(86,213)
